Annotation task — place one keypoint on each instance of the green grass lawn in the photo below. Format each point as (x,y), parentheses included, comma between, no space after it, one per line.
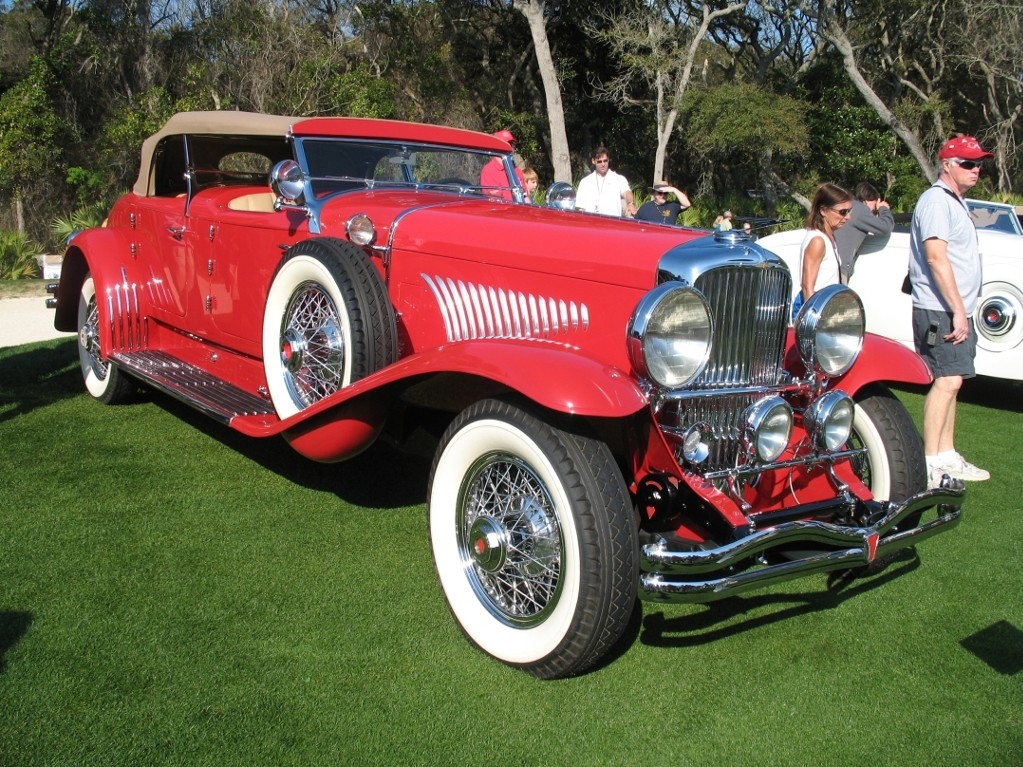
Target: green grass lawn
(174,594)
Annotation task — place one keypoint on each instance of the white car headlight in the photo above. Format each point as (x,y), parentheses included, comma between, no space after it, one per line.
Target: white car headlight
(829,330)
(670,335)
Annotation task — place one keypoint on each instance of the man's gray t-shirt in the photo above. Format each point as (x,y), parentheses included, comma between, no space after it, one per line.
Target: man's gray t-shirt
(940,214)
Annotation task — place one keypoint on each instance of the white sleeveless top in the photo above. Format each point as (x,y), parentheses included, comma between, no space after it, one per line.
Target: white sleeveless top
(828,274)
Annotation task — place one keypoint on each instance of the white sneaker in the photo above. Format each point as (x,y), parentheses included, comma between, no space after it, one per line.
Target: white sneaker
(960,468)
(934,475)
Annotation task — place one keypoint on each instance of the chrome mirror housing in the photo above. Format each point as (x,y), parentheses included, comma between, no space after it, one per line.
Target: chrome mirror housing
(561,195)
(287,182)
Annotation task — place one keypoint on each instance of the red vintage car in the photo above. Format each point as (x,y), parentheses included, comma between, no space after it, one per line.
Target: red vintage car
(620,410)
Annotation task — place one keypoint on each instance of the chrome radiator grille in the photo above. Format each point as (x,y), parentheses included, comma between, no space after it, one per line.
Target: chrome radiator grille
(750,306)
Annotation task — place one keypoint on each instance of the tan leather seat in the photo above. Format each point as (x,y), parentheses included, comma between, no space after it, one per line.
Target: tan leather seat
(261,202)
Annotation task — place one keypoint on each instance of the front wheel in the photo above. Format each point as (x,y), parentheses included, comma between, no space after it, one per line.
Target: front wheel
(103,379)
(533,539)
(893,466)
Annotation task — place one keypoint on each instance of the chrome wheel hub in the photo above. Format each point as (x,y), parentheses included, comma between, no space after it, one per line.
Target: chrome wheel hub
(510,539)
(312,345)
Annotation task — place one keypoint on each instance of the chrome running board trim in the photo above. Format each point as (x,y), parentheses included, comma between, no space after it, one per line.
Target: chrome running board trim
(193,386)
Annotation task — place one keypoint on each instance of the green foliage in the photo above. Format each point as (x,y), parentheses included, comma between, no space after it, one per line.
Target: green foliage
(126,129)
(86,217)
(743,119)
(18,256)
(88,185)
(358,93)
(30,130)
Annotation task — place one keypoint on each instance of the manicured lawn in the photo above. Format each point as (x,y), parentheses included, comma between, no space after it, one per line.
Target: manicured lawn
(174,594)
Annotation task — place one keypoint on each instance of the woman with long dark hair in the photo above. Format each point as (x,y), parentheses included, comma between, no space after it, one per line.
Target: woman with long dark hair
(818,255)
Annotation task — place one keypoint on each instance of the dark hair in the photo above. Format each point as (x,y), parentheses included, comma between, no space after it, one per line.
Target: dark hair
(598,152)
(826,196)
(866,192)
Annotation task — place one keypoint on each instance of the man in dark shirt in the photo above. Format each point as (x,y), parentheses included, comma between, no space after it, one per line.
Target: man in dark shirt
(659,209)
(870,216)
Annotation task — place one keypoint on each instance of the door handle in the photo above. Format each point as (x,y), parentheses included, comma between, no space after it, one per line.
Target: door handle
(177,232)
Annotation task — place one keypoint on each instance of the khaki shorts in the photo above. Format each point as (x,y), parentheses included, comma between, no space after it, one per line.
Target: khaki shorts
(943,357)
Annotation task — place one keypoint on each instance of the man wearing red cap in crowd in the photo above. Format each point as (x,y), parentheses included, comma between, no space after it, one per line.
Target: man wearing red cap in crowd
(493,178)
(945,273)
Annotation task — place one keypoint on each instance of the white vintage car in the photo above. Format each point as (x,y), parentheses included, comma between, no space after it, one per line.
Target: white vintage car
(882,266)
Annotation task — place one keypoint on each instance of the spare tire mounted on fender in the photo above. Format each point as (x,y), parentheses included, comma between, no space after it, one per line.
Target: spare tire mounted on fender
(328,322)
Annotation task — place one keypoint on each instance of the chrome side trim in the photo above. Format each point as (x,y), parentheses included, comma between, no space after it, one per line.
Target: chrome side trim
(674,575)
(472,311)
(125,318)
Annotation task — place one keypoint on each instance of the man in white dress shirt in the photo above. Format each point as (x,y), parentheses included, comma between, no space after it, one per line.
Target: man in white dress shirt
(604,191)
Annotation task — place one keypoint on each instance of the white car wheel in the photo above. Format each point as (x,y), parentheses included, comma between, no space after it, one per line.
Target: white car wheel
(532,539)
(103,380)
(893,467)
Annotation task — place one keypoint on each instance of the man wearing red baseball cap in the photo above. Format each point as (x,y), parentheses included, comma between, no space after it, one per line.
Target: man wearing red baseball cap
(945,273)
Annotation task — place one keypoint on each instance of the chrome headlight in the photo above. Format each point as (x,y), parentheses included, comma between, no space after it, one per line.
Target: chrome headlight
(829,420)
(829,330)
(670,335)
(768,428)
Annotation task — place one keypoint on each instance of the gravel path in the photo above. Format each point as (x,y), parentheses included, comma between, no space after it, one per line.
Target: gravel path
(25,320)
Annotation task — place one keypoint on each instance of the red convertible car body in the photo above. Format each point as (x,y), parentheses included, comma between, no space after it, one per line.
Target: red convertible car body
(620,410)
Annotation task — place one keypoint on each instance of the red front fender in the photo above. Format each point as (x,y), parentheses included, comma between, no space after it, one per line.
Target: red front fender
(883,360)
(556,377)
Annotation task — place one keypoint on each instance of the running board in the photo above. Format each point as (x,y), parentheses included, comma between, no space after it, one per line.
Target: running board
(191,385)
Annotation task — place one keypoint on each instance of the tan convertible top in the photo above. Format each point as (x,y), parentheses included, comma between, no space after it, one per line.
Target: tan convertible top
(228,123)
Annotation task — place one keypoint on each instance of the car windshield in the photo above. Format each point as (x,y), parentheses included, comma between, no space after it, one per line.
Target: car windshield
(337,165)
(999,218)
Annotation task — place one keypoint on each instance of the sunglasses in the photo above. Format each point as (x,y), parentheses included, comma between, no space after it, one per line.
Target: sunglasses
(968,164)
(842,211)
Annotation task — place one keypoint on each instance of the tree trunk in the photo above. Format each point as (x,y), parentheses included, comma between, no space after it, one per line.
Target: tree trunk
(533,10)
(838,38)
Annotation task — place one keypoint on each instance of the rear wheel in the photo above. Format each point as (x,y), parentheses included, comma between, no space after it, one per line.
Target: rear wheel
(533,539)
(328,322)
(893,466)
(103,379)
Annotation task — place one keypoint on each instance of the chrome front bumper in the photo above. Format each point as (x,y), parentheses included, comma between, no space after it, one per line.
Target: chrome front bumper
(791,550)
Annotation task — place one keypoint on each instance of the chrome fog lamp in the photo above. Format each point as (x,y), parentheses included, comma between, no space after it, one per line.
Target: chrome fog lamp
(360,229)
(768,429)
(829,420)
(694,443)
(829,330)
(670,333)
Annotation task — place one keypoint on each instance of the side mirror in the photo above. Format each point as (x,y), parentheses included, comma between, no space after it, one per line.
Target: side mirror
(287,182)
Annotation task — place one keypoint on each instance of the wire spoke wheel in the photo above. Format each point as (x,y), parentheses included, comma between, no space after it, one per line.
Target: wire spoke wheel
(533,539)
(510,539)
(313,345)
(328,322)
